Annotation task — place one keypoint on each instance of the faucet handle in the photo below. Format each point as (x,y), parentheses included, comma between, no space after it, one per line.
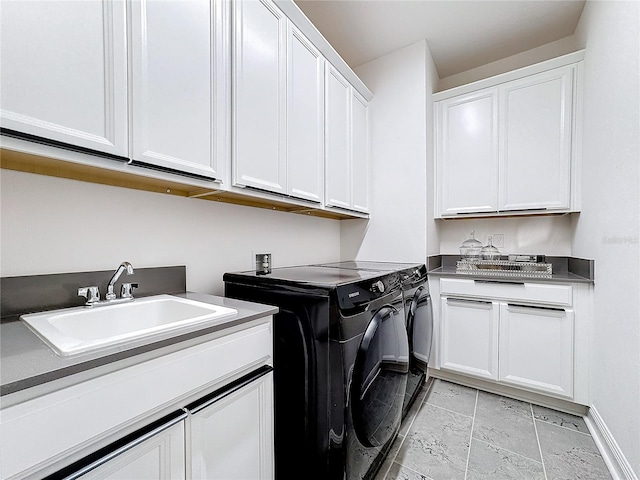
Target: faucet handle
(126,290)
(92,294)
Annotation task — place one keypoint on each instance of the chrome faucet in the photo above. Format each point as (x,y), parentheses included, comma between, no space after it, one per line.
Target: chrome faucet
(92,294)
(123,266)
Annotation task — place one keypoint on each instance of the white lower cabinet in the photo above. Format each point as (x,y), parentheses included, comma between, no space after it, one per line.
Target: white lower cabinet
(531,336)
(226,435)
(470,337)
(232,437)
(159,457)
(536,348)
(108,426)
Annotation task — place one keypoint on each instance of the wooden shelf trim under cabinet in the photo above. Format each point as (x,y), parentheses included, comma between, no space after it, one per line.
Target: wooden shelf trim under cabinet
(30,163)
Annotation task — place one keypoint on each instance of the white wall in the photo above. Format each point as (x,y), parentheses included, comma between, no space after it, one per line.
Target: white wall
(545,235)
(535,55)
(433,242)
(397,228)
(608,229)
(54,225)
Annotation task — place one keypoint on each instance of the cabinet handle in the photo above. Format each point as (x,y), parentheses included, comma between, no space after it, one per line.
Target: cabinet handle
(227,390)
(499,282)
(108,453)
(451,301)
(476,213)
(530,307)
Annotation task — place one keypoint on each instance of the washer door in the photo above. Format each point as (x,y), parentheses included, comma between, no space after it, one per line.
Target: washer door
(380,378)
(420,328)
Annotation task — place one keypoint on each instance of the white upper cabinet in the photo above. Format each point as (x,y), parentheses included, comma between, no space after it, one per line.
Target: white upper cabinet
(511,146)
(259,96)
(337,141)
(467,151)
(278,103)
(359,153)
(305,118)
(64,72)
(346,145)
(535,141)
(178,95)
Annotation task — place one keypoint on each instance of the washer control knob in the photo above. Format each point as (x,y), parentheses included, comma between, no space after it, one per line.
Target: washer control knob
(378,287)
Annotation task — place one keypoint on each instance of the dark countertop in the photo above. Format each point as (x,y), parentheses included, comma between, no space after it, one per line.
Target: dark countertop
(26,361)
(565,270)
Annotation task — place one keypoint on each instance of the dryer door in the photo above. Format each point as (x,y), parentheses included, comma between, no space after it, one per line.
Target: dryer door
(380,378)
(420,328)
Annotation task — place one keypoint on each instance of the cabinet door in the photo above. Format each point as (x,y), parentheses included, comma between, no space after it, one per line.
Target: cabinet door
(535,145)
(64,72)
(259,96)
(233,437)
(305,118)
(159,457)
(470,337)
(536,348)
(359,154)
(337,140)
(174,80)
(467,153)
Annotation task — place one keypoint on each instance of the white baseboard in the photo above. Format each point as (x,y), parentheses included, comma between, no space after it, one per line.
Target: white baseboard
(617,463)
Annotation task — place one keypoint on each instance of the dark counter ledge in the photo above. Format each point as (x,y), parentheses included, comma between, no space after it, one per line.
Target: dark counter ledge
(26,361)
(565,270)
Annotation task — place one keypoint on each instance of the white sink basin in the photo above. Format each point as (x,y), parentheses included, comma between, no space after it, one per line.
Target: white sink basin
(82,329)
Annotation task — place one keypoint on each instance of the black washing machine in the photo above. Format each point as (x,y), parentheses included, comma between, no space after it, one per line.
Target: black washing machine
(419,316)
(341,362)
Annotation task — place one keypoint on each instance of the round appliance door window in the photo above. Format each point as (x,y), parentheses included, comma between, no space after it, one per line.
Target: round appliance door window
(380,378)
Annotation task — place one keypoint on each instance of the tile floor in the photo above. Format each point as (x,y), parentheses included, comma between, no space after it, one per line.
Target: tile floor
(455,432)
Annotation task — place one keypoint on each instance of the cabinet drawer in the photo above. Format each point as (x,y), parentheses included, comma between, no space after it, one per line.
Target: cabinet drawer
(509,291)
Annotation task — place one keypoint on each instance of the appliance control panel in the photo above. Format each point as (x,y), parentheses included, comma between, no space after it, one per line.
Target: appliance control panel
(360,293)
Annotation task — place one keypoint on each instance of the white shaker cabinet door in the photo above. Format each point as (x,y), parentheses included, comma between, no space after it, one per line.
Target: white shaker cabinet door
(359,154)
(175,50)
(337,140)
(470,337)
(64,72)
(467,153)
(232,439)
(160,457)
(536,348)
(259,96)
(305,118)
(535,147)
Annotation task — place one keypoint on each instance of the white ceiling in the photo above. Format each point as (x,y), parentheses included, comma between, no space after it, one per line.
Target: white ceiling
(461,34)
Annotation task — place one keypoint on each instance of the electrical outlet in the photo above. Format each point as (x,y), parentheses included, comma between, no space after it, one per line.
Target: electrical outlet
(263,263)
(498,240)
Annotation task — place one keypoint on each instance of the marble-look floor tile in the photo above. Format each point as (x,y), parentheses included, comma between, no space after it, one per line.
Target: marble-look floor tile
(506,423)
(398,472)
(488,462)
(386,465)
(570,455)
(437,444)
(560,418)
(454,397)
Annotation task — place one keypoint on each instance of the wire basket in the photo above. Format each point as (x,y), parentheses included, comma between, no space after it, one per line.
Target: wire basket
(504,268)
